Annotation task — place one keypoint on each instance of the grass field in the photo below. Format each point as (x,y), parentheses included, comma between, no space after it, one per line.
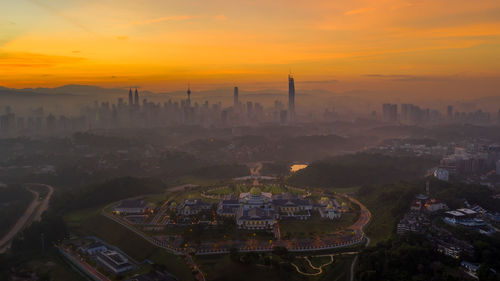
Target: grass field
(340,270)
(319,261)
(303,265)
(241,188)
(352,189)
(316,225)
(75,218)
(223,268)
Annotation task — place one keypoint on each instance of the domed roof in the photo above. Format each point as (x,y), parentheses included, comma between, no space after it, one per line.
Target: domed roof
(255,191)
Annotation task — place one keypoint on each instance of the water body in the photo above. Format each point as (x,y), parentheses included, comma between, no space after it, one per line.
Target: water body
(297,167)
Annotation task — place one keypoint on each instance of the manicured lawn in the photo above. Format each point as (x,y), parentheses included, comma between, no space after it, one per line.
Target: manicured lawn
(340,270)
(241,188)
(352,189)
(117,235)
(200,233)
(303,265)
(319,261)
(175,264)
(223,268)
(157,199)
(316,225)
(76,217)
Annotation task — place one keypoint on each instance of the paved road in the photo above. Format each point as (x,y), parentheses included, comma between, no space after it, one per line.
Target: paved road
(359,225)
(319,269)
(364,217)
(45,203)
(32,213)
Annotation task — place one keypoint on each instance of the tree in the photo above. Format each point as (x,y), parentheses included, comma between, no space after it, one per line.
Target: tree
(234,254)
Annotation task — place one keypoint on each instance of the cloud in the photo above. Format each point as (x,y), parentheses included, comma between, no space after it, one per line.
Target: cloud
(122,38)
(31,60)
(318,81)
(358,11)
(55,12)
(162,19)
(411,78)
(220,17)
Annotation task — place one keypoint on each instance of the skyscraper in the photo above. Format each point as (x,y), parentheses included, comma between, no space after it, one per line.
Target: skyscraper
(291,97)
(136,98)
(130,99)
(235,97)
(449,112)
(390,112)
(189,96)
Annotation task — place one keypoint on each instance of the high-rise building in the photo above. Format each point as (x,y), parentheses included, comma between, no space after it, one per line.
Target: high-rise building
(249,109)
(136,98)
(405,111)
(235,97)
(389,112)
(449,112)
(130,98)
(188,102)
(283,116)
(291,97)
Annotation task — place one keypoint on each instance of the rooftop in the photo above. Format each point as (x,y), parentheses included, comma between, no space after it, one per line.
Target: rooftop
(455,213)
(132,204)
(467,211)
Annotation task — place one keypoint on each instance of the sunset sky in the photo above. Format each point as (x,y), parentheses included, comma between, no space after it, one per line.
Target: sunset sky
(160,45)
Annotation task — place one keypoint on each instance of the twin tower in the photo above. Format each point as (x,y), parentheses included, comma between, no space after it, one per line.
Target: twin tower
(133,101)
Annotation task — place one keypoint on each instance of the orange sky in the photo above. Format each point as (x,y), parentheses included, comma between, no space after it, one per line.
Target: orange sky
(162,44)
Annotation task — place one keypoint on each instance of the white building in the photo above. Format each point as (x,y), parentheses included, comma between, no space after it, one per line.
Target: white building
(442,174)
(95,248)
(329,212)
(255,218)
(114,262)
(256,199)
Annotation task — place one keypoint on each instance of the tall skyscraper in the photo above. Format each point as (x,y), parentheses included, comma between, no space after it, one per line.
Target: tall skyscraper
(291,97)
(235,97)
(449,112)
(390,112)
(189,96)
(130,98)
(136,98)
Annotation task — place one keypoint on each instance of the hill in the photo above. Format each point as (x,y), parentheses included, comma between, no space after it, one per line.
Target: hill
(361,168)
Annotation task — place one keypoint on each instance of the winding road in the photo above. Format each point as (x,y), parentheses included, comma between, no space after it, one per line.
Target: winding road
(33,213)
(319,269)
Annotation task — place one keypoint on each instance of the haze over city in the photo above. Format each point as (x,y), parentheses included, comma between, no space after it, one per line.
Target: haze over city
(250,140)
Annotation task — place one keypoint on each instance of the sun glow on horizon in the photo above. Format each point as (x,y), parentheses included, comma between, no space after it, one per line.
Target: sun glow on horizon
(159,43)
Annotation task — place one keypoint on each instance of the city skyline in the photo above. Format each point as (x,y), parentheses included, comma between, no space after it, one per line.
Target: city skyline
(243,140)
